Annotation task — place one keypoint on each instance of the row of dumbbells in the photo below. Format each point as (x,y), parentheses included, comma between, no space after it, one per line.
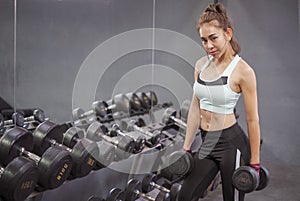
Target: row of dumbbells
(48,157)
(47,136)
(21,118)
(133,135)
(122,105)
(136,189)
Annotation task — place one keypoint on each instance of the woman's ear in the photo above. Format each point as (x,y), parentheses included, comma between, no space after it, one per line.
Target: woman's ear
(228,34)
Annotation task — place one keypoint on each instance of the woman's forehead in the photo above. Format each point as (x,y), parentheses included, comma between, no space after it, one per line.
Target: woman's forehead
(209,28)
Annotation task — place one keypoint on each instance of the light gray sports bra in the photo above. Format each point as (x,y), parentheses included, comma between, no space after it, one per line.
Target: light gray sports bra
(216,95)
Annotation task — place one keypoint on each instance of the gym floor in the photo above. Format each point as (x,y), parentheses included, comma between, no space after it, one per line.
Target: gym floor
(284,186)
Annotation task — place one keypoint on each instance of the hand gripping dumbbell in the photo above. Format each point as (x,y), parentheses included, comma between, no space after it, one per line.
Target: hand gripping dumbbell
(18,179)
(114,194)
(49,134)
(138,139)
(96,132)
(149,183)
(133,191)
(155,136)
(246,179)
(54,164)
(101,152)
(180,163)
(169,116)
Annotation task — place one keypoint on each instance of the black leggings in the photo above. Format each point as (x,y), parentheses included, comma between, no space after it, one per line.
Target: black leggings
(218,152)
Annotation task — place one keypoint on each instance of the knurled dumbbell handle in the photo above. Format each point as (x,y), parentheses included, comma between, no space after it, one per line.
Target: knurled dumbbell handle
(159,187)
(139,129)
(143,195)
(30,155)
(87,113)
(52,141)
(178,121)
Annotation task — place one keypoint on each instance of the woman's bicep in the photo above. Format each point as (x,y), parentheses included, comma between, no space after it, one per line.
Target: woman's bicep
(249,90)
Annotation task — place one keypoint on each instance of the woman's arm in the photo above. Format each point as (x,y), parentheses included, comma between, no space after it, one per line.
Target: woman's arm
(194,115)
(249,90)
(193,122)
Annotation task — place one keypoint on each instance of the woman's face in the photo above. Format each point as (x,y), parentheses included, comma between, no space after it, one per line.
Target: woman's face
(214,40)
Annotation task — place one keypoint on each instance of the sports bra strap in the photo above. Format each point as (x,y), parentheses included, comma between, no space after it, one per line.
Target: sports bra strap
(232,65)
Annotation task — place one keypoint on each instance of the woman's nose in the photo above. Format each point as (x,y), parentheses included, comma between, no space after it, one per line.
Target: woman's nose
(209,45)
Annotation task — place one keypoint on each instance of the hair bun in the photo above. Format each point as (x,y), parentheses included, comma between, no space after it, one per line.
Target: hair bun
(216,8)
(211,8)
(220,9)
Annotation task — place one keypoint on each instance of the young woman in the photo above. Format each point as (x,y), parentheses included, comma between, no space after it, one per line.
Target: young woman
(220,78)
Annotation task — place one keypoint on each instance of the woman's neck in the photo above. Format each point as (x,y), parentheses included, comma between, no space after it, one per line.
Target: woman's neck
(226,57)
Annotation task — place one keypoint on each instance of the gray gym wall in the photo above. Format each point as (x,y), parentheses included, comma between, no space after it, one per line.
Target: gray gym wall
(55,37)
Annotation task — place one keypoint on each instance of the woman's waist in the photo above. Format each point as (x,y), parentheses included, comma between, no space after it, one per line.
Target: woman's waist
(216,122)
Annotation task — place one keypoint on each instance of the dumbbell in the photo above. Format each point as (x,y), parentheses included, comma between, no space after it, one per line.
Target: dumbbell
(103,153)
(120,103)
(135,102)
(180,163)
(38,116)
(138,139)
(145,100)
(149,183)
(153,98)
(96,132)
(54,165)
(16,119)
(169,116)
(246,179)
(133,191)
(155,136)
(114,194)
(49,134)
(79,113)
(18,179)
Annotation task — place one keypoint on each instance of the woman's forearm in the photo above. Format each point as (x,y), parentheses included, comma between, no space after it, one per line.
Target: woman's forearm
(193,123)
(254,137)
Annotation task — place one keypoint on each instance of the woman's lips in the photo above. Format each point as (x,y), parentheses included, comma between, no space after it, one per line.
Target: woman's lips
(213,52)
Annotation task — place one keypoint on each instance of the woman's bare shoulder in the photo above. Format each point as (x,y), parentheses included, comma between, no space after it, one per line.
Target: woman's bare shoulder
(244,70)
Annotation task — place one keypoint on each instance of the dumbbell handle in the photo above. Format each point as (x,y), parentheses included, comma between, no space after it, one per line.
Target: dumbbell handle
(143,195)
(108,139)
(152,183)
(178,121)
(30,155)
(139,129)
(87,113)
(119,132)
(10,122)
(92,112)
(52,141)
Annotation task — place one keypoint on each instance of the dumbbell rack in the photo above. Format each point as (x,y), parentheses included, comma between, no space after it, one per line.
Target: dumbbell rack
(92,184)
(133,164)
